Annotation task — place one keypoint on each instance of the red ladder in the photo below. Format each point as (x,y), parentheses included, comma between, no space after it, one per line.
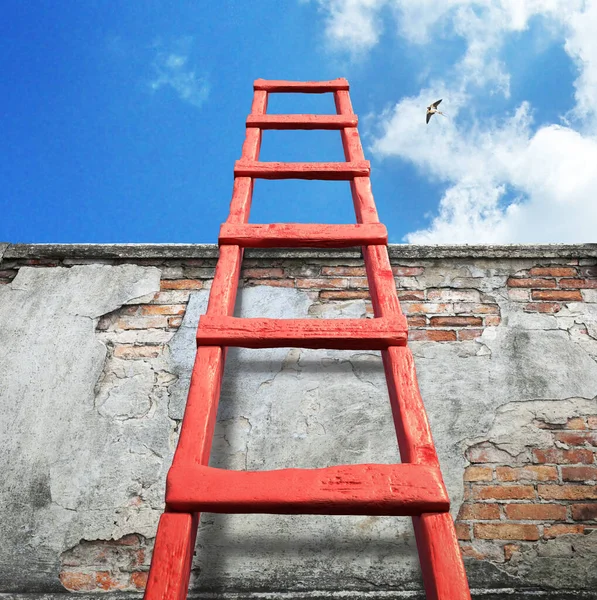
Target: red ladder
(413,488)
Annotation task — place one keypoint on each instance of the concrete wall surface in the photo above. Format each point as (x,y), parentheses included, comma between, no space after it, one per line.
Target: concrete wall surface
(96,349)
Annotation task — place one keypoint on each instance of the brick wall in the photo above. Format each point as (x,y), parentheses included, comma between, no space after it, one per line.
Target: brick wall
(509,504)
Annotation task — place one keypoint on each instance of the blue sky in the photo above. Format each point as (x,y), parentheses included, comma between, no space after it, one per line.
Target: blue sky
(121,121)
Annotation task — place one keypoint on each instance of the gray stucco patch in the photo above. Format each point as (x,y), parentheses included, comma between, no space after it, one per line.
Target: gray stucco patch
(66,468)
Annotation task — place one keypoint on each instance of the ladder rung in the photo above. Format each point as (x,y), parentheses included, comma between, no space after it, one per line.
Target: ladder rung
(338,334)
(305,87)
(299,235)
(399,490)
(302,121)
(343,171)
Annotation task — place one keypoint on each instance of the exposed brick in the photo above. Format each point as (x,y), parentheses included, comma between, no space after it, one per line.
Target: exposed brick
(558,456)
(576,423)
(584,512)
(519,294)
(153,322)
(426,308)
(543,307)
(486,453)
(469,334)
(358,282)
(492,320)
(181,284)
(567,492)
(530,283)
(509,550)
(463,531)
(420,335)
(553,271)
(77,582)
(321,284)
(411,295)
(453,295)
(455,321)
(134,352)
(506,531)
(536,512)
(555,295)
(139,579)
(171,297)
(530,472)
(592,422)
(262,273)
(478,474)
(344,271)
(131,539)
(407,271)
(105,581)
(577,438)
(345,295)
(503,492)
(560,529)
(579,283)
(416,321)
(479,512)
(579,473)
(469,552)
(163,309)
(285,283)
(476,309)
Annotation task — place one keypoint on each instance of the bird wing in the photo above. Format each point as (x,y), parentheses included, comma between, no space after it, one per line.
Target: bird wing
(435,104)
(429,115)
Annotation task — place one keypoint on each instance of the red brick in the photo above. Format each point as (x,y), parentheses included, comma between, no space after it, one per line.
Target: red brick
(358,282)
(503,492)
(345,295)
(426,308)
(506,531)
(536,512)
(139,579)
(509,550)
(557,456)
(470,552)
(411,295)
(492,321)
(530,283)
(420,335)
(407,271)
(463,531)
(171,297)
(469,334)
(455,321)
(154,322)
(567,492)
(478,474)
(576,423)
(163,309)
(77,582)
(592,422)
(321,284)
(577,438)
(416,321)
(543,307)
(454,295)
(476,308)
(561,529)
(134,352)
(584,512)
(104,581)
(530,472)
(555,295)
(553,271)
(181,284)
(579,283)
(479,512)
(285,283)
(262,273)
(579,473)
(174,322)
(344,271)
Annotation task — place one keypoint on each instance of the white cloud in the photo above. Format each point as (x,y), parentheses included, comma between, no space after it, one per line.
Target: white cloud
(172,69)
(506,182)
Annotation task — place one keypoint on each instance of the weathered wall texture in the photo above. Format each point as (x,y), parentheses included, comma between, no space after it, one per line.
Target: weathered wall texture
(96,349)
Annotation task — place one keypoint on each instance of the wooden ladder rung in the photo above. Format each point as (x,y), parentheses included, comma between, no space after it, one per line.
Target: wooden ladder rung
(301,235)
(339,334)
(365,489)
(302,121)
(304,87)
(337,171)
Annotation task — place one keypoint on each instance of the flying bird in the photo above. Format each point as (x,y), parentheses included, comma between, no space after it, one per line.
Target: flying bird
(432,109)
